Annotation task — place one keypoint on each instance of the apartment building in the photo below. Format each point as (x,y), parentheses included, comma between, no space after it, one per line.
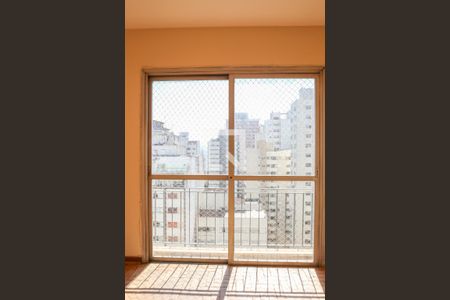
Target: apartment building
(277,131)
(175,154)
(302,119)
(250,128)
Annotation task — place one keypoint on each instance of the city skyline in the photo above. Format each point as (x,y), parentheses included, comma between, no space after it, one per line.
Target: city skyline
(208,109)
(289,131)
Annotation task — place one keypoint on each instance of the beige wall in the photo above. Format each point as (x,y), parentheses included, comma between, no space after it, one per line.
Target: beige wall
(161,48)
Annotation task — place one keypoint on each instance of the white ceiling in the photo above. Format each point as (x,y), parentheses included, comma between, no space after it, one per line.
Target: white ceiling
(223,13)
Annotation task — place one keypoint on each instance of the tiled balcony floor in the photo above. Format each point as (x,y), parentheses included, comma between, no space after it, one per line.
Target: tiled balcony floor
(219,281)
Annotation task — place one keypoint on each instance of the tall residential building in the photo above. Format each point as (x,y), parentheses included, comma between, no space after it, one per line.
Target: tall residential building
(173,153)
(287,148)
(165,142)
(249,127)
(173,220)
(302,119)
(293,211)
(277,131)
(174,214)
(240,151)
(193,148)
(217,158)
(218,154)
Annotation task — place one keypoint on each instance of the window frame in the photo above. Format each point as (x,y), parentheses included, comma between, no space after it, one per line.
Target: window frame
(232,73)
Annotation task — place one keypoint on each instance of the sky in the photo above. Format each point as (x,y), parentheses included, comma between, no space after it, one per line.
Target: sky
(200,107)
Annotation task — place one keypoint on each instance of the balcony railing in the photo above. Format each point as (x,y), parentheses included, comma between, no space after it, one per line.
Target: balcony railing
(193,222)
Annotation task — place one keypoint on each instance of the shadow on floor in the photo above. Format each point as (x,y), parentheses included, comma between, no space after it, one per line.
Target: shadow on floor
(218,281)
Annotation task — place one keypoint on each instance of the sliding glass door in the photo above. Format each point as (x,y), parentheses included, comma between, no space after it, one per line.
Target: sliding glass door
(234,168)
(275,168)
(189,189)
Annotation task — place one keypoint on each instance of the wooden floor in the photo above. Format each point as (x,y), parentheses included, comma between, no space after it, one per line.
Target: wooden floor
(211,281)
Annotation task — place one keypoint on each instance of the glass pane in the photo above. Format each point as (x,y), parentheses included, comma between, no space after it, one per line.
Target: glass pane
(190,218)
(189,127)
(275,126)
(274,221)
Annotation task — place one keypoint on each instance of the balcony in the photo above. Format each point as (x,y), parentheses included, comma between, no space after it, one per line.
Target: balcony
(193,223)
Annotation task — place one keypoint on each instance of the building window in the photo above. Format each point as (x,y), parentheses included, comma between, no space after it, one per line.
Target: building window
(172,210)
(171,238)
(205,229)
(172,195)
